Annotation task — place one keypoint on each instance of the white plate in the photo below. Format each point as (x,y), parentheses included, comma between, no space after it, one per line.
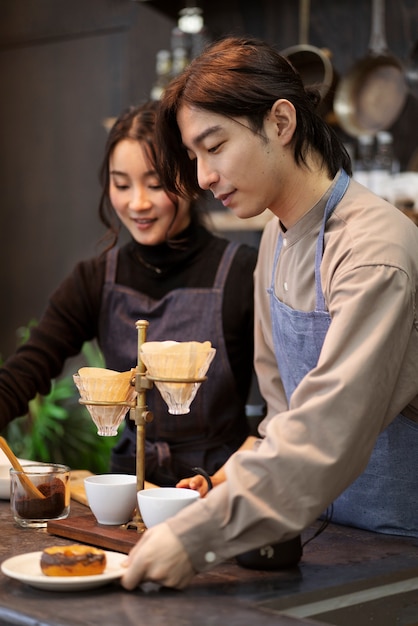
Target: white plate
(5,475)
(27,569)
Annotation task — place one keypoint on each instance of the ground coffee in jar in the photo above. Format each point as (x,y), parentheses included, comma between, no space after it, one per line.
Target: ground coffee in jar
(53,481)
(49,507)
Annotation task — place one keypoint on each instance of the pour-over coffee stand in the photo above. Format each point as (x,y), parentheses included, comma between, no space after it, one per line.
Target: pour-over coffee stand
(139,412)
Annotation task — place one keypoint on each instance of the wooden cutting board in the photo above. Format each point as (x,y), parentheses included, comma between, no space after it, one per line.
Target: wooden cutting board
(77,490)
(86,529)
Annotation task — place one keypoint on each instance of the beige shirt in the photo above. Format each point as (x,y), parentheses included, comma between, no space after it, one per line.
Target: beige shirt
(367,374)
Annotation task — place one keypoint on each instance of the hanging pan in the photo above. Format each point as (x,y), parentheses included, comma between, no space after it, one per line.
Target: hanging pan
(411,72)
(313,64)
(372,95)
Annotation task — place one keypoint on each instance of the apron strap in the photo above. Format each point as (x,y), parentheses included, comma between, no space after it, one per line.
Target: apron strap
(335,197)
(225,264)
(111,265)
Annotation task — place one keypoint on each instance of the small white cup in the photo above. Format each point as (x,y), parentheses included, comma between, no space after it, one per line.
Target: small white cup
(157,505)
(111,497)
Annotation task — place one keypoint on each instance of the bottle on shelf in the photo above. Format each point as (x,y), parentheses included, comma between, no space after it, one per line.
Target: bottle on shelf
(384,164)
(180,50)
(191,21)
(188,38)
(163,74)
(363,165)
(180,61)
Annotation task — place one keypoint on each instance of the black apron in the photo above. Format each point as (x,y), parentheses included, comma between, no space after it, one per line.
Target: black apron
(216,425)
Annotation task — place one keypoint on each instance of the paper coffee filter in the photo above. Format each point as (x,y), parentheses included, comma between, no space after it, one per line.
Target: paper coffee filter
(100,384)
(174,360)
(98,372)
(96,384)
(177,361)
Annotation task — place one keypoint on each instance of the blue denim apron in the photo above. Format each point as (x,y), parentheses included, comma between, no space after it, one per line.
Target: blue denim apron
(385,497)
(216,425)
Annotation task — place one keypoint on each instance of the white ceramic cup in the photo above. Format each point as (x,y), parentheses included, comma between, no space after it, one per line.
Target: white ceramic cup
(157,505)
(111,497)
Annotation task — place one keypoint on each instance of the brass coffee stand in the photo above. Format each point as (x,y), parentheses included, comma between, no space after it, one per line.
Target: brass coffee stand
(139,412)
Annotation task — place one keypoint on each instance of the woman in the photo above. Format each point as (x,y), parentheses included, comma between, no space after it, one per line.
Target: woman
(189,285)
(336,326)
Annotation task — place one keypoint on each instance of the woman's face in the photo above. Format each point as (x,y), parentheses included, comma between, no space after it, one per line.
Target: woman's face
(244,170)
(138,198)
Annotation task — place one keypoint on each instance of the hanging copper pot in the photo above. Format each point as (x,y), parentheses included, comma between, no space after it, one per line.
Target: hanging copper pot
(372,95)
(313,64)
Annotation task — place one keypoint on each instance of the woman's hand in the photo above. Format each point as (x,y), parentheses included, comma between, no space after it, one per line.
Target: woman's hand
(158,557)
(198,483)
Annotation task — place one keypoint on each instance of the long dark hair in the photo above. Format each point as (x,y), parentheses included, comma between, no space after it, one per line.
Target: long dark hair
(240,77)
(136,122)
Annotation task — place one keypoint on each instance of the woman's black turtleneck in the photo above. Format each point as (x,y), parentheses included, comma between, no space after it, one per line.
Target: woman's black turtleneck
(191,260)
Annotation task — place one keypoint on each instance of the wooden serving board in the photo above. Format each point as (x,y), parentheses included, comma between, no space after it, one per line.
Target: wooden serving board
(85,529)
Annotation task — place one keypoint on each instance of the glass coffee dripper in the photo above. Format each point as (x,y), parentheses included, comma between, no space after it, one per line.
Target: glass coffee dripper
(177,369)
(107,395)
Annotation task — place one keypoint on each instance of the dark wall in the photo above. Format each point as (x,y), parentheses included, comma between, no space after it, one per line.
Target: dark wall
(65,67)
(68,65)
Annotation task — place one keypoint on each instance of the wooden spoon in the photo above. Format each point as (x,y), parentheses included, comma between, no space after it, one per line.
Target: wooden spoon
(26,482)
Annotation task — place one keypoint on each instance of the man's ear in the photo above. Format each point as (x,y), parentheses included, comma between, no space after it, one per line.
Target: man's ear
(283,115)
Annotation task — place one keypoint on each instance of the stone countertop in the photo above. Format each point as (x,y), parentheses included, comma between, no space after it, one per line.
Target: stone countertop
(339,558)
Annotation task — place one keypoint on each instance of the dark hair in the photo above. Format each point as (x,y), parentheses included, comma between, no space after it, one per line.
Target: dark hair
(240,77)
(136,122)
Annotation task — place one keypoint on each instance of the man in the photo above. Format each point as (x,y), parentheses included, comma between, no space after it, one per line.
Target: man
(335,328)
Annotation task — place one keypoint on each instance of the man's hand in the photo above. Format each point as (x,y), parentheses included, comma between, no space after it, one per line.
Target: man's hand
(158,557)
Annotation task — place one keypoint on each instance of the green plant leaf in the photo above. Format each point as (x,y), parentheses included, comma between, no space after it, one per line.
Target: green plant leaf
(57,428)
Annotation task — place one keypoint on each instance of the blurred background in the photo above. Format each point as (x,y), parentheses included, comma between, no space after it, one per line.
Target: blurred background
(67,66)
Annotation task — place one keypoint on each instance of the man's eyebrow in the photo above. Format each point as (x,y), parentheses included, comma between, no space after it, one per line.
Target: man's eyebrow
(204,134)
